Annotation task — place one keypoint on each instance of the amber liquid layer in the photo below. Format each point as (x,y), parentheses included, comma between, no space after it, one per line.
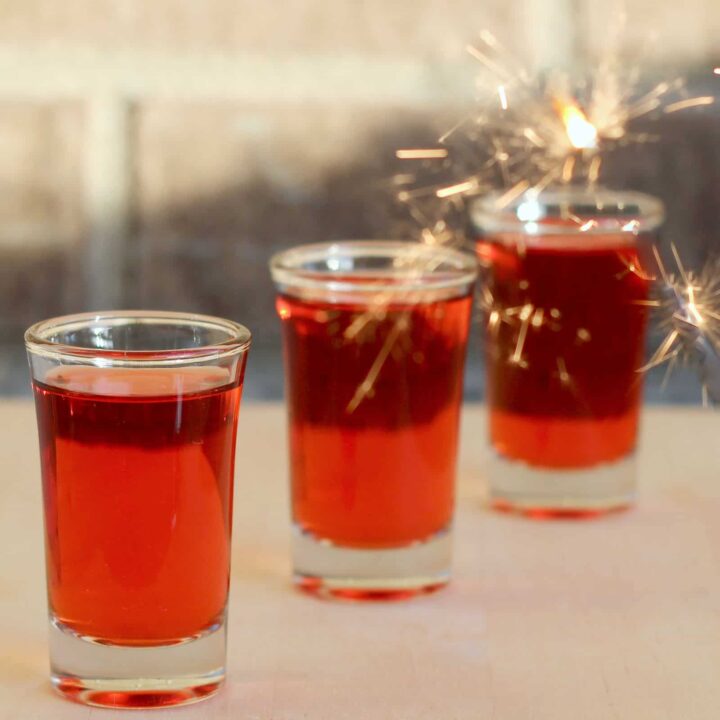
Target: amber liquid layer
(381,473)
(566,330)
(137,476)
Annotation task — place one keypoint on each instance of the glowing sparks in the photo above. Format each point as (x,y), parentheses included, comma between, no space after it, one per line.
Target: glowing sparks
(410,266)
(533,137)
(365,388)
(422,154)
(690,103)
(583,335)
(537,318)
(514,192)
(493,321)
(531,131)
(631,226)
(689,311)
(563,374)
(583,135)
(490,64)
(458,189)
(568,169)
(502,94)
(694,313)
(525,315)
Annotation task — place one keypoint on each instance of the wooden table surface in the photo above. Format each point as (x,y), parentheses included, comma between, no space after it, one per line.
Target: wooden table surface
(612,618)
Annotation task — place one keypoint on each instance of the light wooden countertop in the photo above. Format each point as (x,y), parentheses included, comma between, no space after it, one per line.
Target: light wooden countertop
(596,620)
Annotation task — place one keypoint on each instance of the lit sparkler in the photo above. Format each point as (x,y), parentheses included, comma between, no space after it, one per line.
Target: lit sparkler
(689,309)
(532,131)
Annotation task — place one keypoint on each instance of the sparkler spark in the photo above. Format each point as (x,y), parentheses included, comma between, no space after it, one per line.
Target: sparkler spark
(365,388)
(457,189)
(690,103)
(422,154)
(503,97)
(409,267)
(563,374)
(689,310)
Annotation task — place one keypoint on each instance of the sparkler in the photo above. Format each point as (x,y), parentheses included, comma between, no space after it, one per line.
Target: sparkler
(689,313)
(534,130)
(530,132)
(691,309)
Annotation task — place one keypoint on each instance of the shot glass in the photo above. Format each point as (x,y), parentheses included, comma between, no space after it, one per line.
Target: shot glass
(564,297)
(375,335)
(137,415)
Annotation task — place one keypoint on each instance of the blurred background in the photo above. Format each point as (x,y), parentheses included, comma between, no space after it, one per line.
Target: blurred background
(155,154)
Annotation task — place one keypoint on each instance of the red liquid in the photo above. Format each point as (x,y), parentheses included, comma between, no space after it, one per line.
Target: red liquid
(137,476)
(567,396)
(382,474)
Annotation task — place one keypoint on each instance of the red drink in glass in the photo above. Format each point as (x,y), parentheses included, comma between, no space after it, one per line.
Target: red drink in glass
(382,474)
(565,298)
(564,390)
(137,415)
(137,472)
(375,336)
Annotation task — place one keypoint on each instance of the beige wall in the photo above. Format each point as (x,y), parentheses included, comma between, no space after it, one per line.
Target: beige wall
(111,110)
(660,31)
(40,172)
(291,26)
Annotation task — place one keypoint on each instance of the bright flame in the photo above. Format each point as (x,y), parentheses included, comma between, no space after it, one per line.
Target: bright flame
(581,132)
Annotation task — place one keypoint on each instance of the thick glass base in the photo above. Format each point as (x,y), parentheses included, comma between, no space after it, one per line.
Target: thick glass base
(322,568)
(103,675)
(553,493)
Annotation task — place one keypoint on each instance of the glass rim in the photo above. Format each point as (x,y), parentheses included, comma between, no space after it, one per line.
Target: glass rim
(287,267)
(593,211)
(37,338)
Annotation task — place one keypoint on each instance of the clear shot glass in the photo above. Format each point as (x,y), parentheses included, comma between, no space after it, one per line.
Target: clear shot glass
(564,295)
(137,415)
(375,334)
